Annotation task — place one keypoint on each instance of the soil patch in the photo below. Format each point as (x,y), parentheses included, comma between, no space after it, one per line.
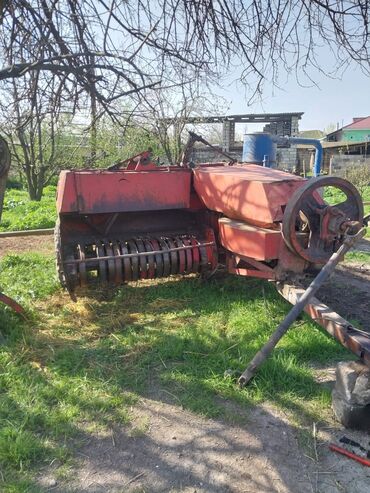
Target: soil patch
(182,452)
(348,293)
(26,244)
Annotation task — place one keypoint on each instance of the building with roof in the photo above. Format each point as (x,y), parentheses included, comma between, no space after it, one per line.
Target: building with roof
(357,131)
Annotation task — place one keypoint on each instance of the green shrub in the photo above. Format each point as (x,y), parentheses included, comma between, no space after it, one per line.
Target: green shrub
(21,213)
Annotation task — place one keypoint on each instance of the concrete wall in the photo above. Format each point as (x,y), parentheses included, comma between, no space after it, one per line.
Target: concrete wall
(284,128)
(228,135)
(286,158)
(340,163)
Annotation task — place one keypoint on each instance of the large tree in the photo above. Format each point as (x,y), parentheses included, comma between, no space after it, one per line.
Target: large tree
(37,123)
(100,52)
(114,48)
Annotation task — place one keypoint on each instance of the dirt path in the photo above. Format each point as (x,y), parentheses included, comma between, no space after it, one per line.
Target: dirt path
(182,452)
(348,293)
(363,246)
(25,244)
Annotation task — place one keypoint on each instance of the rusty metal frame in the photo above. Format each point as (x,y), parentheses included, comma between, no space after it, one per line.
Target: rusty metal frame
(12,303)
(258,269)
(139,254)
(330,221)
(343,331)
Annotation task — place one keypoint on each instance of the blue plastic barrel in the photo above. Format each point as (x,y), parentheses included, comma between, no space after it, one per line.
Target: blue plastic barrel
(259,148)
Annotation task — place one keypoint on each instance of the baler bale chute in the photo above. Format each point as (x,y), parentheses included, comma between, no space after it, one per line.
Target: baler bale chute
(137,220)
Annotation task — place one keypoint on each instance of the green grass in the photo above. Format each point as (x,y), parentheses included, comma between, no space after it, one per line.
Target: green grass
(46,401)
(21,213)
(356,256)
(76,368)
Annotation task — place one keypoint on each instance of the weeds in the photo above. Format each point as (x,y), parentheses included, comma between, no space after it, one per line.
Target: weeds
(20,213)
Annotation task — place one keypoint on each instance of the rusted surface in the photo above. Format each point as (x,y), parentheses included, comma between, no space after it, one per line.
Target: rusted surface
(245,266)
(12,303)
(248,193)
(93,192)
(312,228)
(146,221)
(250,241)
(353,339)
(120,261)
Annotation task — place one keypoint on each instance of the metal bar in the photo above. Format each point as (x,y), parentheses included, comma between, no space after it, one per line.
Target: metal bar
(254,263)
(351,338)
(293,314)
(250,117)
(28,232)
(13,304)
(139,254)
(193,138)
(300,140)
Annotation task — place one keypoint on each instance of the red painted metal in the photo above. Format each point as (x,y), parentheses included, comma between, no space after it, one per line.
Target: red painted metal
(243,266)
(350,455)
(94,191)
(13,304)
(250,241)
(249,193)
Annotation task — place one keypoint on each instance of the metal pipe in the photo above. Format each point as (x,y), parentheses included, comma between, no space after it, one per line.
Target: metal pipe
(293,314)
(13,304)
(350,337)
(28,232)
(300,140)
(139,254)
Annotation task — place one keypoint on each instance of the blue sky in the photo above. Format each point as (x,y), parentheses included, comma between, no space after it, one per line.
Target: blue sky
(335,100)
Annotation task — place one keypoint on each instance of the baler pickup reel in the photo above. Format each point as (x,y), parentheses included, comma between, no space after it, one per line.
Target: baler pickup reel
(146,221)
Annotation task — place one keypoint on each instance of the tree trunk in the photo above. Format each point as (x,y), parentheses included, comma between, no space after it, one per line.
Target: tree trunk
(2,192)
(32,192)
(93,115)
(34,187)
(4,170)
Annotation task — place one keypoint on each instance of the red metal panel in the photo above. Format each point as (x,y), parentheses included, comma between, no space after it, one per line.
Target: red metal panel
(249,241)
(93,191)
(66,192)
(250,193)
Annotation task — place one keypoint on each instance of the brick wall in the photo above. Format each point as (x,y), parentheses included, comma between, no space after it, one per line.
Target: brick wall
(286,158)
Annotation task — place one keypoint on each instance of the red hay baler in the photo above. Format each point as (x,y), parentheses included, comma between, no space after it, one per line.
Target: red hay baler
(145,221)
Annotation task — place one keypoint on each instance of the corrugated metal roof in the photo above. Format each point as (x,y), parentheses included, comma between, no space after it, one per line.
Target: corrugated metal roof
(363,124)
(342,143)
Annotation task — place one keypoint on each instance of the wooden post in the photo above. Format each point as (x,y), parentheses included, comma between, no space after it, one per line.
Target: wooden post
(312,160)
(331,165)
